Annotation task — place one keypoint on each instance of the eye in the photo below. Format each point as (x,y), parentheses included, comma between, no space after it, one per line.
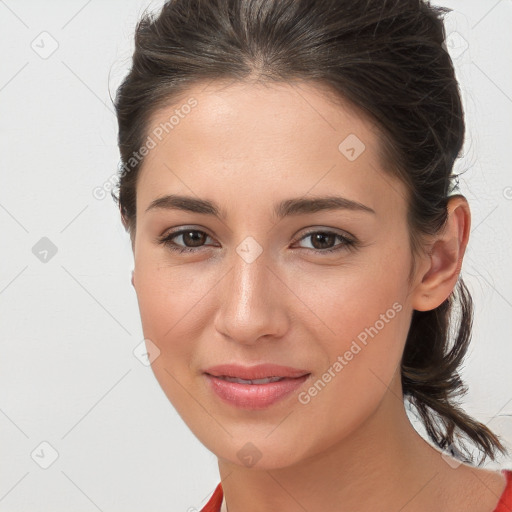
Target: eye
(321,239)
(193,236)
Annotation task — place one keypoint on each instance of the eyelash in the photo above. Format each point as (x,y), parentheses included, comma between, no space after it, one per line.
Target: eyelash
(348,243)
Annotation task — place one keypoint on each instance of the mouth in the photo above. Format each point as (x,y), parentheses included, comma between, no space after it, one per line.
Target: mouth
(259,374)
(255,393)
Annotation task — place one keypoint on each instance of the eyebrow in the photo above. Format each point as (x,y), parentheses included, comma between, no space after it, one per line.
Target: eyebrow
(287,207)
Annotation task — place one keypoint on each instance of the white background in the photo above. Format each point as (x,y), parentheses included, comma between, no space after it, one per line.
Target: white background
(69,326)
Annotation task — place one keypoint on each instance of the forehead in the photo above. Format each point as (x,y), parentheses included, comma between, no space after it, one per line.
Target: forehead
(269,113)
(263,135)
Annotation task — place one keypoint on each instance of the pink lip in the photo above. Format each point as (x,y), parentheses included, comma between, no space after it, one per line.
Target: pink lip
(254,396)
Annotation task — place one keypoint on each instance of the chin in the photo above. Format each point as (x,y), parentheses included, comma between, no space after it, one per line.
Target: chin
(257,453)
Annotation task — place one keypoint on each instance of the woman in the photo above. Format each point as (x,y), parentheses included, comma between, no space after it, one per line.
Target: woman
(287,186)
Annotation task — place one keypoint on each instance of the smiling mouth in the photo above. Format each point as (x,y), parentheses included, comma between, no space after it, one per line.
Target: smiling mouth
(254,393)
(254,374)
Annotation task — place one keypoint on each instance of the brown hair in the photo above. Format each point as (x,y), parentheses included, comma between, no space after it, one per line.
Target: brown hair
(388,59)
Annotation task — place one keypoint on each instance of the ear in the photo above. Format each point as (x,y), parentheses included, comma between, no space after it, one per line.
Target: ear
(442,264)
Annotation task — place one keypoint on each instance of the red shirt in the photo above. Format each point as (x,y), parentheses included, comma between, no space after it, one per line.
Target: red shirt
(504,505)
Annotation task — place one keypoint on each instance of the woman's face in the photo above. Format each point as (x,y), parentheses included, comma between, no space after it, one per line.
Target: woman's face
(259,287)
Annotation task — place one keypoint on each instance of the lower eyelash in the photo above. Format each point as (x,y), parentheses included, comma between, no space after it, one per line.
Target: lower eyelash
(167,241)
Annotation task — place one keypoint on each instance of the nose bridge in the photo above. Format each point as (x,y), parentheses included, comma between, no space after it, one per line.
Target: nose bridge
(247,308)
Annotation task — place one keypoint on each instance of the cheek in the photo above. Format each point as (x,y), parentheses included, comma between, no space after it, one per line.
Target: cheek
(167,294)
(353,301)
(369,338)
(170,300)
(367,315)
(369,318)
(169,304)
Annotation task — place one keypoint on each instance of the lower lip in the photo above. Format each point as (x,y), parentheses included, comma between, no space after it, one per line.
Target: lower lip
(254,396)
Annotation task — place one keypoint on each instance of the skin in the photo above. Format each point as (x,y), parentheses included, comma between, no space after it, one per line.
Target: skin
(352,447)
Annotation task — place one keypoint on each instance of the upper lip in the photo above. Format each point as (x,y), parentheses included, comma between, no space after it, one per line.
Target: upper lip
(259,371)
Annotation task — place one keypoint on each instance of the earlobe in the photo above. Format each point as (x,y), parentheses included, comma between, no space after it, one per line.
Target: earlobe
(445,257)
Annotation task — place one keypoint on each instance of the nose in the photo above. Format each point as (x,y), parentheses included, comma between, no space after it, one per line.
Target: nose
(253,301)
